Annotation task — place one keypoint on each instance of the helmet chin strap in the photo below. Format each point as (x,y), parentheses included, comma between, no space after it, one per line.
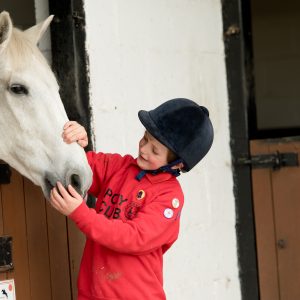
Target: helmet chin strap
(164,169)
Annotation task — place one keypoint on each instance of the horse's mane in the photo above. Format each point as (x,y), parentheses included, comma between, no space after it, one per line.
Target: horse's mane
(20,49)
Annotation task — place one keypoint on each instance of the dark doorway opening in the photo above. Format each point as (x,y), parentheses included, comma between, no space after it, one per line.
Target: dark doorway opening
(275,104)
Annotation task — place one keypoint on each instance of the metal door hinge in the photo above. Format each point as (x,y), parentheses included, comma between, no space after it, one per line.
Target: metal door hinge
(5,173)
(6,263)
(275,161)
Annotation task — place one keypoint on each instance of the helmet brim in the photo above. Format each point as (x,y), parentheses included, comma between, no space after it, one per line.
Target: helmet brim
(151,127)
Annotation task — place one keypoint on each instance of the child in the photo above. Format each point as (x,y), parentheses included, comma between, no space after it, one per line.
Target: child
(139,201)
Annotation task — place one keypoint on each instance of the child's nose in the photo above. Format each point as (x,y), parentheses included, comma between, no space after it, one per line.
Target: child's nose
(143,148)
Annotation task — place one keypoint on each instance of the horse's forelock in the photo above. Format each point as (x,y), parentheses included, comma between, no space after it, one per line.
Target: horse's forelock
(19,53)
(20,50)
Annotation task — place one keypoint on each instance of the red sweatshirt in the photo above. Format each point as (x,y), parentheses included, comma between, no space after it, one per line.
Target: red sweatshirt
(133,224)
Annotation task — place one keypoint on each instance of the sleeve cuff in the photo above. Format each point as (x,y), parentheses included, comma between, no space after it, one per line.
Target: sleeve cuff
(79,213)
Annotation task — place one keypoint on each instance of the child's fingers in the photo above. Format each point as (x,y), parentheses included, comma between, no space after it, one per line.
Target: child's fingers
(65,201)
(82,143)
(69,123)
(69,128)
(64,193)
(71,138)
(73,129)
(74,133)
(78,133)
(55,200)
(74,193)
(82,139)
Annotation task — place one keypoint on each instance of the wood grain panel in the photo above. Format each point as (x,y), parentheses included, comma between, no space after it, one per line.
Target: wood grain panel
(15,225)
(37,240)
(76,246)
(265,226)
(46,249)
(59,256)
(3,276)
(286,199)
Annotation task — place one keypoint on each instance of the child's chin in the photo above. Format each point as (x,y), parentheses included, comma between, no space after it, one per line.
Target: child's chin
(141,163)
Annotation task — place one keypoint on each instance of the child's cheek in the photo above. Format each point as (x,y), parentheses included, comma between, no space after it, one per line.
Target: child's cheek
(154,164)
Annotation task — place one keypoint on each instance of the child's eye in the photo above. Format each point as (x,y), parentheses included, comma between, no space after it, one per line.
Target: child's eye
(143,141)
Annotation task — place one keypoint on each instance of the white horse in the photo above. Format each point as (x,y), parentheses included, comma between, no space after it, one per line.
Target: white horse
(32,114)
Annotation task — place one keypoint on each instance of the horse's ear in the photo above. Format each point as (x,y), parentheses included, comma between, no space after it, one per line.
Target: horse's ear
(5,29)
(35,32)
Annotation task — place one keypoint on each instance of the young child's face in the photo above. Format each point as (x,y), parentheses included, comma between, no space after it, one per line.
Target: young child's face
(152,153)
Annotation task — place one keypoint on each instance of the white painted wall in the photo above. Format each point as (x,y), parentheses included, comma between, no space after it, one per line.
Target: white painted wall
(41,14)
(141,54)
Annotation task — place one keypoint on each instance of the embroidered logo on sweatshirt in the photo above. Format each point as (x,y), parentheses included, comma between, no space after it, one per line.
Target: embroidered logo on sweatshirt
(135,205)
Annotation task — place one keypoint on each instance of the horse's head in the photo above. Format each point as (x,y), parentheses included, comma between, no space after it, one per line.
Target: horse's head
(32,114)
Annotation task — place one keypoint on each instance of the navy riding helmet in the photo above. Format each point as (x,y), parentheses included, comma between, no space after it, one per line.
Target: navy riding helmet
(183,126)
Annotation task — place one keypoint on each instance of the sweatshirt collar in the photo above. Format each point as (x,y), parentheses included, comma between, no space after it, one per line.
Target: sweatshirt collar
(154,178)
(158,177)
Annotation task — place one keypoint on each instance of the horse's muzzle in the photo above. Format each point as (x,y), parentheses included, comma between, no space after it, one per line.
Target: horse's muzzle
(73,179)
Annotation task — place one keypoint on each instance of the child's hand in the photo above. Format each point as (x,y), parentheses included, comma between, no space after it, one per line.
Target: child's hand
(65,201)
(74,132)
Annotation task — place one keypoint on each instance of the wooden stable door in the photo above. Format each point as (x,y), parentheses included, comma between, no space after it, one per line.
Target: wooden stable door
(46,247)
(276,194)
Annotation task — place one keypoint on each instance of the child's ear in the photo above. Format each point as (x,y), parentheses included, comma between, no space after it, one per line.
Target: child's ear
(178,166)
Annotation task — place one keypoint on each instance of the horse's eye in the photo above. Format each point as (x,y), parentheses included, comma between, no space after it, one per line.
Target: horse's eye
(18,89)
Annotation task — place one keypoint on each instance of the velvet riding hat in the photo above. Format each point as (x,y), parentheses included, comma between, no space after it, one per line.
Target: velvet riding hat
(183,126)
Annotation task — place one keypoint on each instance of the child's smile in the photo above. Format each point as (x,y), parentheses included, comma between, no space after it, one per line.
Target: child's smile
(152,154)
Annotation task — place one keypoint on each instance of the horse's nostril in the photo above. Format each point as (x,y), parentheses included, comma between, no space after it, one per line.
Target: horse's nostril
(75,182)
